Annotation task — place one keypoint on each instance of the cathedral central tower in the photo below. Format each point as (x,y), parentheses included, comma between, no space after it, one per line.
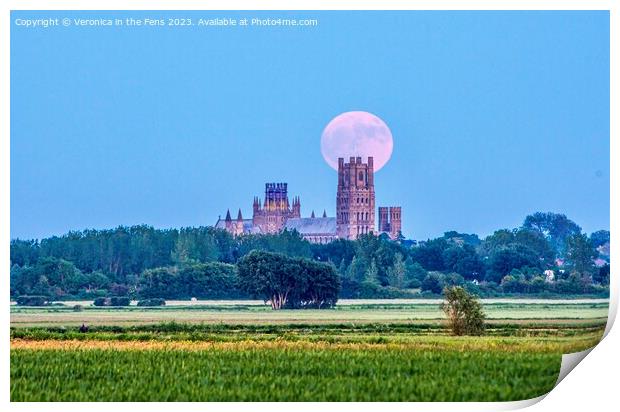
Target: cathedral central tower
(355,199)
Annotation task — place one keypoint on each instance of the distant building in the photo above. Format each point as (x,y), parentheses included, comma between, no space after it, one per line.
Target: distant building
(549,276)
(390,221)
(355,198)
(314,229)
(268,217)
(355,210)
(271,216)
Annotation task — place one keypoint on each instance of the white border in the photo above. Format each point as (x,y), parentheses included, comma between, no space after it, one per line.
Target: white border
(578,391)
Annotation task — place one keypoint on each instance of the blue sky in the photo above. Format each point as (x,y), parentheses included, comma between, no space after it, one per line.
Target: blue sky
(495,115)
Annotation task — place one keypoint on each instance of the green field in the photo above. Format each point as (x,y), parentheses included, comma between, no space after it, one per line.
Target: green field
(409,311)
(356,352)
(267,374)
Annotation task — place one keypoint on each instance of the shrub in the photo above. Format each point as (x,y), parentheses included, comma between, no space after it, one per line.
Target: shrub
(152,302)
(464,311)
(78,308)
(112,301)
(120,301)
(414,284)
(433,282)
(32,300)
(101,301)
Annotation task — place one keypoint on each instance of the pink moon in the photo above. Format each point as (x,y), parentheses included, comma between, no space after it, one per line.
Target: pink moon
(357,134)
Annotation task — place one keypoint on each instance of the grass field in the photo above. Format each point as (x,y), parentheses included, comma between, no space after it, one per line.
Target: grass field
(259,372)
(252,314)
(357,352)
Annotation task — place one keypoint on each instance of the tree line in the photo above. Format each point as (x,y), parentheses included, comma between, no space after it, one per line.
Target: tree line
(204,262)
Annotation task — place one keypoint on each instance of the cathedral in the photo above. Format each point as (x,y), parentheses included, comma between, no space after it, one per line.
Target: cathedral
(355,210)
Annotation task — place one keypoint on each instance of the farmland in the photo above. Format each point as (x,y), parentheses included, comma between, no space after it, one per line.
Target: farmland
(497,310)
(222,351)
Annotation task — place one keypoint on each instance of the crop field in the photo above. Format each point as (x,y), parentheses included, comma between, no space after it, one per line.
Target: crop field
(357,352)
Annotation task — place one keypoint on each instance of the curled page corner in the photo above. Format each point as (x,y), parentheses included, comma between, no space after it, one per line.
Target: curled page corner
(611,314)
(569,361)
(526,403)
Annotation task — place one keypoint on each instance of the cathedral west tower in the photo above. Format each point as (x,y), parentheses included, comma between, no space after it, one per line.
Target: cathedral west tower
(355,199)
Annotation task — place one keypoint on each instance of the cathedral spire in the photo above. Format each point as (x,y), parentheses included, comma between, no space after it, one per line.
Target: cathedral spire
(228,219)
(324,213)
(239,217)
(312,215)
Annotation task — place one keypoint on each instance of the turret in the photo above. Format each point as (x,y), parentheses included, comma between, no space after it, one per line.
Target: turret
(239,217)
(296,209)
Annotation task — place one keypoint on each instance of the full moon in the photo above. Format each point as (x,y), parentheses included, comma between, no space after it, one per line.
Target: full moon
(359,134)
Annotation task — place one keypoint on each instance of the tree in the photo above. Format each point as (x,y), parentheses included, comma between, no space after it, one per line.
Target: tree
(430,254)
(464,312)
(397,273)
(319,288)
(372,274)
(465,261)
(599,238)
(462,238)
(433,282)
(580,253)
(270,276)
(532,239)
(602,275)
(357,270)
(24,252)
(288,282)
(453,279)
(499,239)
(538,243)
(554,226)
(338,251)
(504,259)
(414,273)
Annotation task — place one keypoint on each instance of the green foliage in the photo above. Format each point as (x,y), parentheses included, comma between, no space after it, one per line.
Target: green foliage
(120,301)
(397,273)
(462,239)
(112,301)
(101,301)
(599,238)
(430,254)
(506,258)
(464,260)
(319,286)
(288,243)
(29,300)
(464,312)
(602,275)
(433,283)
(557,228)
(144,262)
(580,253)
(212,280)
(372,274)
